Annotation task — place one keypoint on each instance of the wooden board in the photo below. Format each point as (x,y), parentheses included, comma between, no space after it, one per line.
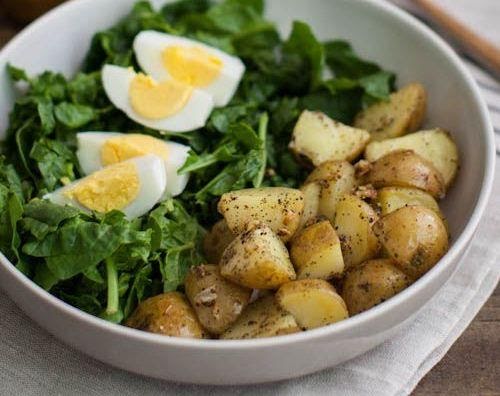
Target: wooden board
(471,367)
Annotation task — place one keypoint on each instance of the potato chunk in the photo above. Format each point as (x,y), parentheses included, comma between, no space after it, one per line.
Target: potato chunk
(353,222)
(262,318)
(336,179)
(435,146)
(316,252)
(404,168)
(257,259)
(216,241)
(312,302)
(280,208)
(371,283)
(168,314)
(319,138)
(403,113)
(390,199)
(216,301)
(311,193)
(414,237)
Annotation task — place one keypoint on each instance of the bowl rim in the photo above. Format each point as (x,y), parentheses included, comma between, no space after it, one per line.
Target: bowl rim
(356,321)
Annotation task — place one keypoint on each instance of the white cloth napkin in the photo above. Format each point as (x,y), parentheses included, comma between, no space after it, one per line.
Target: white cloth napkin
(34,363)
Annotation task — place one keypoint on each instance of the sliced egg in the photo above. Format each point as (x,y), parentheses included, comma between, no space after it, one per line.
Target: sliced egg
(133,187)
(97,150)
(165,56)
(168,105)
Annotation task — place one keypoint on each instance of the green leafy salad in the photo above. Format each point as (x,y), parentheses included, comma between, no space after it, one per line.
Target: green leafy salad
(106,263)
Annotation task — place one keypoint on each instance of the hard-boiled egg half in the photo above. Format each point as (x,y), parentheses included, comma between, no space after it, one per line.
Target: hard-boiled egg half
(168,105)
(133,187)
(165,56)
(97,150)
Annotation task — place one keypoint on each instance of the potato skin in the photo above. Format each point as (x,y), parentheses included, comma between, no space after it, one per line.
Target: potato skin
(167,314)
(371,283)
(403,113)
(390,199)
(318,138)
(262,318)
(216,241)
(336,179)
(312,302)
(257,259)
(404,168)
(316,252)
(414,237)
(435,145)
(216,301)
(353,222)
(279,207)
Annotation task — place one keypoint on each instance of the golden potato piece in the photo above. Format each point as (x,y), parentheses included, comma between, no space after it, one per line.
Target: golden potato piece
(262,318)
(336,179)
(435,146)
(371,283)
(216,301)
(216,241)
(404,168)
(279,207)
(257,259)
(312,302)
(319,138)
(167,314)
(390,199)
(414,237)
(403,113)
(311,193)
(316,252)
(353,222)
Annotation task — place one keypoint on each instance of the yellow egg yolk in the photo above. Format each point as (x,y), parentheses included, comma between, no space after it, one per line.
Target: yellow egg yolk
(192,65)
(154,100)
(122,148)
(111,188)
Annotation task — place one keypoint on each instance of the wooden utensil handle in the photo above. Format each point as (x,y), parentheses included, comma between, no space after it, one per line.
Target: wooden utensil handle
(478,47)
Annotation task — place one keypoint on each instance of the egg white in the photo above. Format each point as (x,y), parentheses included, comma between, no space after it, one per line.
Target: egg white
(89,156)
(116,81)
(152,179)
(149,46)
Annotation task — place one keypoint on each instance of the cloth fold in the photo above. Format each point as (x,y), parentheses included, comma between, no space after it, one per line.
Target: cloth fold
(34,363)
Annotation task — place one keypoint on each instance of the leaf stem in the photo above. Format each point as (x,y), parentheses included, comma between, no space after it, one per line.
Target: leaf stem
(113,296)
(263,123)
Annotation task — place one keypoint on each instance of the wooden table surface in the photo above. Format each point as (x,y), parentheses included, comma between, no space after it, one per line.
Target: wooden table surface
(471,367)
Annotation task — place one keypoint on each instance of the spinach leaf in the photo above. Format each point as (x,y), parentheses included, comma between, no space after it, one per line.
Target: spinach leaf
(74,115)
(177,239)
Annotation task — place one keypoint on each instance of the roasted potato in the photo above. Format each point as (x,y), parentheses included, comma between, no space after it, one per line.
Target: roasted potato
(403,113)
(316,252)
(257,259)
(435,146)
(318,138)
(404,168)
(390,199)
(311,193)
(336,179)
(371,283)
(167,314)
(353,222)
(216,301)
(262,318)
(415,237)
(216,241)
(280,208)
(312,302)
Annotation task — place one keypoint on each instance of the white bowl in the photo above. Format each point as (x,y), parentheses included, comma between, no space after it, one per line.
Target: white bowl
(59,40)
